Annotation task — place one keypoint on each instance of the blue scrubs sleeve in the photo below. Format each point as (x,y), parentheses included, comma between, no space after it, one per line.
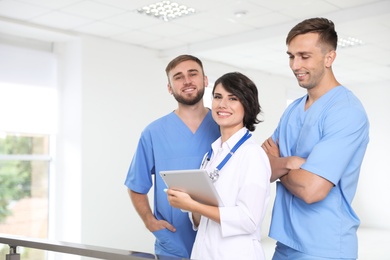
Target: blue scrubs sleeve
(139,176)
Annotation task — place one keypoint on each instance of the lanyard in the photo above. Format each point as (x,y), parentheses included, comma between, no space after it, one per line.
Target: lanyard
(214,175)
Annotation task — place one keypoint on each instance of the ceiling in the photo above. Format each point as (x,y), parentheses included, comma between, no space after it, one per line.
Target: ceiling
(255,40)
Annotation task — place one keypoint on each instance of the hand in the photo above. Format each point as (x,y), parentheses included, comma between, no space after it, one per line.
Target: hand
(295,162)
(179,199)
(154,224)
(141,204)
(270,147)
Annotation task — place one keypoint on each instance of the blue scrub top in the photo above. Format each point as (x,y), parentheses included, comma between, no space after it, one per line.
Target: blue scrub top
(332,135)
(168,144)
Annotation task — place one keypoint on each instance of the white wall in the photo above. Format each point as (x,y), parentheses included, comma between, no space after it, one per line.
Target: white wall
(119,89)
(373,194)
(123,88)
(65,203)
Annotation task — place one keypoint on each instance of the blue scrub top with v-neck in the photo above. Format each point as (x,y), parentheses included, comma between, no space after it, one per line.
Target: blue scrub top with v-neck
(332,135)
(168,144)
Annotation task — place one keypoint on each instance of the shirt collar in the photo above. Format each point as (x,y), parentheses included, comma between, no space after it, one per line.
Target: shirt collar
(229,144)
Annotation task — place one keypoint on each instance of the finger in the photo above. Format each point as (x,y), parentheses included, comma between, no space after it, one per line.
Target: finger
(266,145)
(168,226)
(270,142)
(171,228)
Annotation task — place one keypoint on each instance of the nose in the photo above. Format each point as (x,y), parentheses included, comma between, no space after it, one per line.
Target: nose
(186,80)
(294,64)
(223,103)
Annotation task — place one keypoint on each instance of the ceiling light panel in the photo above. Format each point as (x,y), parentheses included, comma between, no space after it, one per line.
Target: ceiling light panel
(349,42)
(166,10)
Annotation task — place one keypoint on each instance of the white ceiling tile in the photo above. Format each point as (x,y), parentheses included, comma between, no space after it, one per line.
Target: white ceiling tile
(126,4)
(197,20)
(350,3)
(202,6)
(51,4)
(278,5)
(251,10)
(306,9)
(255,41)
(194,36)
(92,10)
(136,37)
(364,26)
(163,43)
(221,24)
(18,10)
(61,20)
(166,29)
(133,20)
(268,19)
(101,29)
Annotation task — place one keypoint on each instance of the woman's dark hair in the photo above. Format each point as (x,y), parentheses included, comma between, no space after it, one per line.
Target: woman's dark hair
(324,27)
(246,91)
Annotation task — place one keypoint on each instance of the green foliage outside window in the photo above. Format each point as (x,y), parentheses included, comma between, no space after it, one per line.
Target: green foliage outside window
(15,176)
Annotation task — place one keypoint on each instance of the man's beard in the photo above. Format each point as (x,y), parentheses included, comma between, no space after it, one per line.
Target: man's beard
(189,101)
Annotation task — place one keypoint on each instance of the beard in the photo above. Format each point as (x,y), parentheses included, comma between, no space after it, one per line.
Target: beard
(306,86)
(189,101)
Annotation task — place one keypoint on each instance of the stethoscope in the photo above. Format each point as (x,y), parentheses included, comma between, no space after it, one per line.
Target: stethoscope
(214,175)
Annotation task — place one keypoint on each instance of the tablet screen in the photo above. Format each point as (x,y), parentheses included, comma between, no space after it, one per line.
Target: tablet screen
(196,183)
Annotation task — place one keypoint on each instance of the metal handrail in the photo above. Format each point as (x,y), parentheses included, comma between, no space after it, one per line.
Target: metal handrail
(75,249)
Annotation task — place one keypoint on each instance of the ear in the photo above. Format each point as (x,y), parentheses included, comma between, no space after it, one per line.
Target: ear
(329,58)
(205,81)
(169,88)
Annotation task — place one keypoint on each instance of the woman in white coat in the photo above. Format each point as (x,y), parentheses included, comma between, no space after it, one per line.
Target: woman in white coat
(241,172)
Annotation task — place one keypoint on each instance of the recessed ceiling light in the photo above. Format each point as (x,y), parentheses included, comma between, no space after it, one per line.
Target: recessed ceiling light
(240,14)
(349,42)
(166,10)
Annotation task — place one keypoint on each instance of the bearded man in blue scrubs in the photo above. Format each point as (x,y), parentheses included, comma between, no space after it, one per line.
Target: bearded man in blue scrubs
(178,140)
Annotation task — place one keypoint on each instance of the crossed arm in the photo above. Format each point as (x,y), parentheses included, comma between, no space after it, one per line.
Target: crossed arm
(303,184)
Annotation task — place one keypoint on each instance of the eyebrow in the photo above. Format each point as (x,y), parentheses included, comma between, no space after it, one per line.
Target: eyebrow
(179,73)
(299,53)
(229,95)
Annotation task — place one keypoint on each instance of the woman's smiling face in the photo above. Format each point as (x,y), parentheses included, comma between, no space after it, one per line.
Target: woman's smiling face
(227,110)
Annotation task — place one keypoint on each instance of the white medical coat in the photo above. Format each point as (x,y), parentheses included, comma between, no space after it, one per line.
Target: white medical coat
(244,187)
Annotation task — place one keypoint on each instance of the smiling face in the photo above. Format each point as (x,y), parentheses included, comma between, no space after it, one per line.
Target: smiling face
(187,82)
(227,110)
(308,60)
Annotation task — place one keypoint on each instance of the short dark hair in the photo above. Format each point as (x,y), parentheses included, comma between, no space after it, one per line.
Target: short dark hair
(181,58)
(246,91)
(324,27)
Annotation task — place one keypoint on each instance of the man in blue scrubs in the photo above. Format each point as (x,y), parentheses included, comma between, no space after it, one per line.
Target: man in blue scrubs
(178,140)
(316,153)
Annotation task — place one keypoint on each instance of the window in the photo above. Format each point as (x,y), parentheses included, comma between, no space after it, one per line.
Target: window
(24,176)
(28,117)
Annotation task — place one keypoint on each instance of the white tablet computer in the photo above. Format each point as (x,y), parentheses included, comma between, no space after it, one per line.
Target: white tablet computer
(196,183)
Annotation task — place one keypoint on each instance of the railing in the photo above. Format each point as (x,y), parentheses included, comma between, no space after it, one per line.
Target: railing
(72,248)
